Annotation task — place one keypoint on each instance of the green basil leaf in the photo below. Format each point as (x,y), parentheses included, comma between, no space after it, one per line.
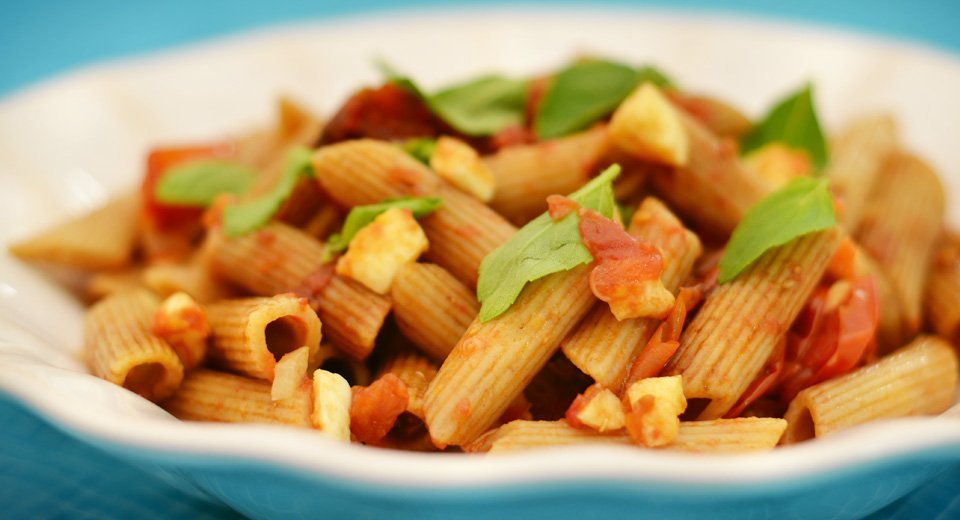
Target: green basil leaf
(793,122)
(480,107)
(360,216)
(196,183)
(420,148)
(240,219)
(802,206)
(483,106)
(586,92)
(540,248)
(626,213)
(399,79)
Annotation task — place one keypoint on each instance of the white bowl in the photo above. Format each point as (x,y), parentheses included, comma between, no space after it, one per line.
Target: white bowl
(67,144)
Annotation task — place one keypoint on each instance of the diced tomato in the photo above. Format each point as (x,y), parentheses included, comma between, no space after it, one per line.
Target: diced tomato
(831,342)
(765,382)
(510,136)
(666,339)
(576,407)
(374,409)
(559,207)
(388,113)
(635,419)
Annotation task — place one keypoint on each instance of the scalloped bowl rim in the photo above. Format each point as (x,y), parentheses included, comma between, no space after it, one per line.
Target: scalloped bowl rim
(156,433)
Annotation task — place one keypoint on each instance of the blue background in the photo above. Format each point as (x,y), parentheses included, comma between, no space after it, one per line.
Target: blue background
(46,473)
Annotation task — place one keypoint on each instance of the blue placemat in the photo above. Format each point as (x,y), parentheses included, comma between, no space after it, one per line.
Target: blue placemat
(39,39)
(45,473)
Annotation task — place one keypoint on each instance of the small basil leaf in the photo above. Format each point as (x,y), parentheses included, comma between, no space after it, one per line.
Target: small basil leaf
(244,217)
(483,106)
(360,216)
(196,183)
(420,148)
(793,122)
(586,92)
(540,248)
(802,206)
(397,78)
(480,107)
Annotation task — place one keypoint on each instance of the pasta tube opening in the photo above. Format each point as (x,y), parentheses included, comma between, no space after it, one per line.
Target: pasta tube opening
(284,335)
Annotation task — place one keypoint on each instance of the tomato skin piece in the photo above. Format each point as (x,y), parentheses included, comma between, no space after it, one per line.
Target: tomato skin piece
(374,409)
(388,112)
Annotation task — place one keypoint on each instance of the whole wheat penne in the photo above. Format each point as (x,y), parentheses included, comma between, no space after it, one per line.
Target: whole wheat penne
(104,283)
(122,349)
(416,371)
(208,395)
(899,229)
(431,307)
(461,232)
(737,435)
(601,346)
(942,295)
(856,155)
(102,239)
(919,379)
(717,436)
(279,258)
(526,174)
(707,184)
(493,361)
(191,278)
(251,334)
(740,323)
(721,118)
(521,435)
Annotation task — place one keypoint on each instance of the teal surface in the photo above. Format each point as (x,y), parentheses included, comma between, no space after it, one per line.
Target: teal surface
(38,39)
(48,473)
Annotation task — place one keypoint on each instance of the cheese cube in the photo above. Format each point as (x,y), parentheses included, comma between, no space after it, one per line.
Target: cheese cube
(378,250)
(603,412)
(331,405)
(655,407)
(459,164)
(289,373)
(648,126)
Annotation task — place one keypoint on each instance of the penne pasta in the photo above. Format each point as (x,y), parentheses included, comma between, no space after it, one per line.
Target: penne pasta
(942,296)
(526,175)
(493,362)
(899,229)
(251,334)
(123,350)
(743,434)
(857,154)
(919,379)
(728,342)
(416,371)
(431,307)
(602,346)
(461,232)
(280,258)
(102,239)
(717,436)
(208,395)
(707,184)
